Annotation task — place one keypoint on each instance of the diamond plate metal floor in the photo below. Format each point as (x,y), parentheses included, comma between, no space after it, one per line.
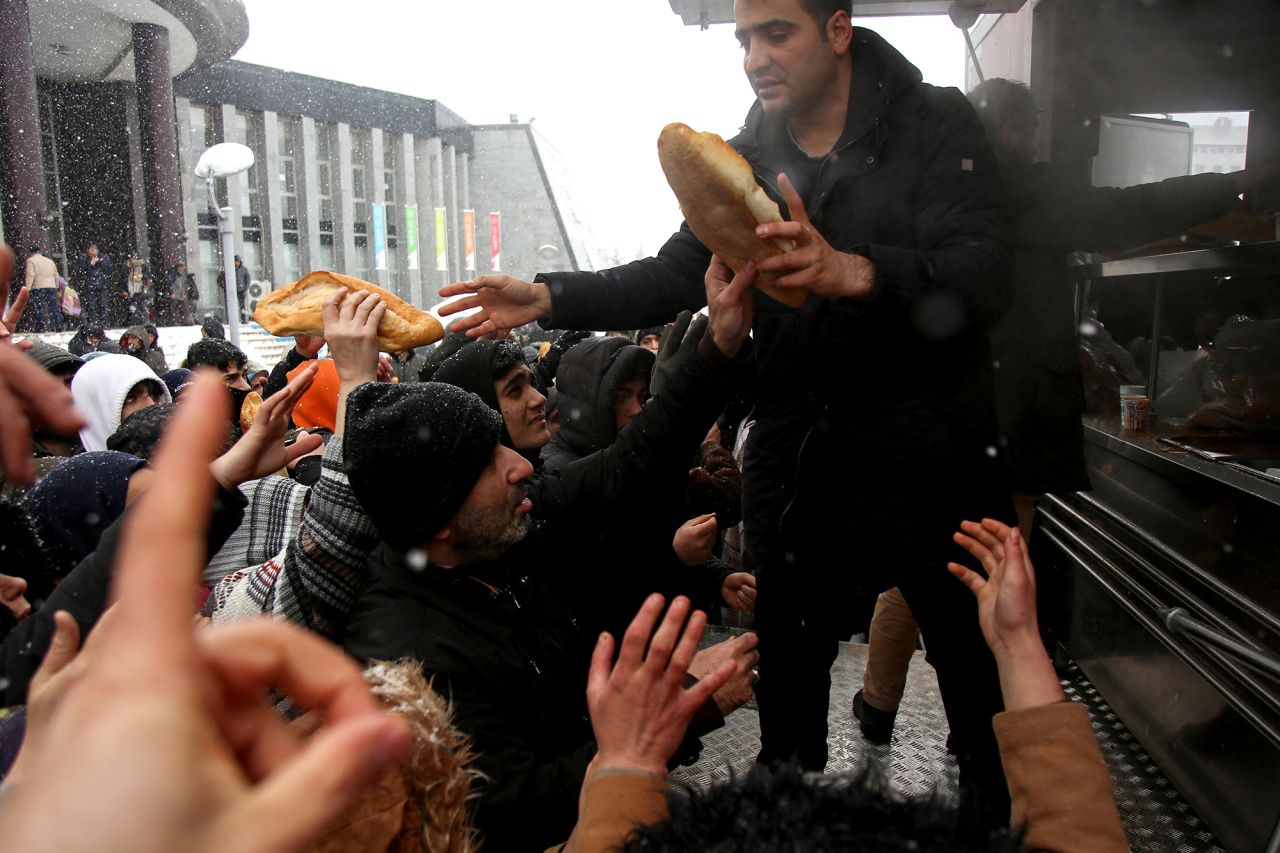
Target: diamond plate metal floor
(1156,818)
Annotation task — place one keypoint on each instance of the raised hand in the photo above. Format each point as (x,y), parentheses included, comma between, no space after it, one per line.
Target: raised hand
(639,706)
(1007,611)
(812,263)
(730,304)
(505,303)
(262,451)
(12,313)
(29,396)
(678,340)
(184,722)
(351,321)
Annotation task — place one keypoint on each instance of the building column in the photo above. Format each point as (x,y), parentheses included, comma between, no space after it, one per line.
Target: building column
(344,235)
(407,187)
(308,172)
(464,193)
(454,217)
(159,137)
(141,227)
(376,193)
(273,216)
(427,173)
(186,169)
(20,128)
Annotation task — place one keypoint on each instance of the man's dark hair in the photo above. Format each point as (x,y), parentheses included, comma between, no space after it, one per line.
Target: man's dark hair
(1000,101)
(506,355)
(214,352)
(213,328)
(781,809)
(34,250)
(822,10)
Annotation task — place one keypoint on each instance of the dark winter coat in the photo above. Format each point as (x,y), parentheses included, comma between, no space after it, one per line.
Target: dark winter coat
(95,277)
(407,371)
(1039,399)
(500,638)
(587,381)
(900,383)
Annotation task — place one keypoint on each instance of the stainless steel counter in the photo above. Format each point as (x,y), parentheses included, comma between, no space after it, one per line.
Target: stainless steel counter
(1168,528)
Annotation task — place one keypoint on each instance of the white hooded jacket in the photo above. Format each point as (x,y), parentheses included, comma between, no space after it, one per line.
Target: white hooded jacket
(100,389)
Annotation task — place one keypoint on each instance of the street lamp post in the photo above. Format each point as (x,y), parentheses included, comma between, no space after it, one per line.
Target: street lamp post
(222,161)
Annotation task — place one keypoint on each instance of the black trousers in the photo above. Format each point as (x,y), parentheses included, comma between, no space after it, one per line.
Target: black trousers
(854,525)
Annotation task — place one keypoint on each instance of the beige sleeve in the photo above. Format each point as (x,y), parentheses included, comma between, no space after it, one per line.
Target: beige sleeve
(1061,790)
(615,802)
(31,272)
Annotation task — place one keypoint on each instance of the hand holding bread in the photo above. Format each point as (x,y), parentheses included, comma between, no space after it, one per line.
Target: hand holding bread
(722,202)
(299,310)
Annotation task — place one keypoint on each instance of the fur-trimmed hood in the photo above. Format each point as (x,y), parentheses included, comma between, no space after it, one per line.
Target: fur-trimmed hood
(427,805)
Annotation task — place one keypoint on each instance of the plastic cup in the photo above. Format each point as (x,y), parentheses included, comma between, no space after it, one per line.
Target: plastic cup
(1134,405)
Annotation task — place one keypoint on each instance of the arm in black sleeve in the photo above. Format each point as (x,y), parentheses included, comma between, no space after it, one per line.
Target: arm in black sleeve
(648,292)
(280,373)
(961,247)
(658,443)
(1068,216)
(84,595)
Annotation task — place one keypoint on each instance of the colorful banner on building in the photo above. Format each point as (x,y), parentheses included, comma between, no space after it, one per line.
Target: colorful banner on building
(379,213)
(495,240)
(442,242)
(411,236)
(469,238)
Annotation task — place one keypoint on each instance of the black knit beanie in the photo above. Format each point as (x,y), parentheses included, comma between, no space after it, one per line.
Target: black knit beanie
(425,439)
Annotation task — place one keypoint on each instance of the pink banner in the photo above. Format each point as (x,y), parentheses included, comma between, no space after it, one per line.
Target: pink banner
(495,240)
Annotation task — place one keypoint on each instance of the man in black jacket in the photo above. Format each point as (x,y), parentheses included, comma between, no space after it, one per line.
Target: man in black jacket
(874,431)
(459,587)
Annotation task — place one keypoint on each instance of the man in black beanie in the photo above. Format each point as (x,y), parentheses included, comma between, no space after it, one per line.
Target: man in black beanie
(465,585)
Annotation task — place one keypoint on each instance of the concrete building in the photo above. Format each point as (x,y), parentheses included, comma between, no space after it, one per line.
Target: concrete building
(88,142)
(397,190)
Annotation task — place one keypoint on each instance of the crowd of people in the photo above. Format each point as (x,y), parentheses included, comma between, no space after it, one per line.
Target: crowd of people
(100,294)
(457,597)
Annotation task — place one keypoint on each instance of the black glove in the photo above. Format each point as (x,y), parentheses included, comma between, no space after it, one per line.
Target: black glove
(550,363)
(452,342)
(680,339)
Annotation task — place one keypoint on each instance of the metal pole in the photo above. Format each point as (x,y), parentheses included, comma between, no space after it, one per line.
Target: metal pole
(226,232)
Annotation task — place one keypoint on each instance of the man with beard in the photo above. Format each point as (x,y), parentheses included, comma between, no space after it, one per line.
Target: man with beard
(874,429)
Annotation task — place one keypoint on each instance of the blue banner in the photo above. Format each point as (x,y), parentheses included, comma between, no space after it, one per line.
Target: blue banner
(379,213)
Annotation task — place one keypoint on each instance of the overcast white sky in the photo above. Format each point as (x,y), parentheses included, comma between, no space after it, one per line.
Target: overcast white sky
(599,79)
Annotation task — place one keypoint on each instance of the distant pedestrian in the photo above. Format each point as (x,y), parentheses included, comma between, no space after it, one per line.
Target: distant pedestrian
(94,277)
(42,281)
(137,276)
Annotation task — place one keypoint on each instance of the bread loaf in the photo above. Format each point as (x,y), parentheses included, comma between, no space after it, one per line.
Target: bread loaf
(298,310)
(722,202)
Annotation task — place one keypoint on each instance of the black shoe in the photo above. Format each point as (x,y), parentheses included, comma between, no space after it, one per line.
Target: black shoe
(876,725)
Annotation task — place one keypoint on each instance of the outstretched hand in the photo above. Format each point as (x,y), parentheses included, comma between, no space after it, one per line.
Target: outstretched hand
(1007,611)
(262,451)
(505,303)
(182,721)
(639,706)
(812,263)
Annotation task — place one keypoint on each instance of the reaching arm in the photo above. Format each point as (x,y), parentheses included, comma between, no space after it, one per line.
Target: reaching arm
(1059,784)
